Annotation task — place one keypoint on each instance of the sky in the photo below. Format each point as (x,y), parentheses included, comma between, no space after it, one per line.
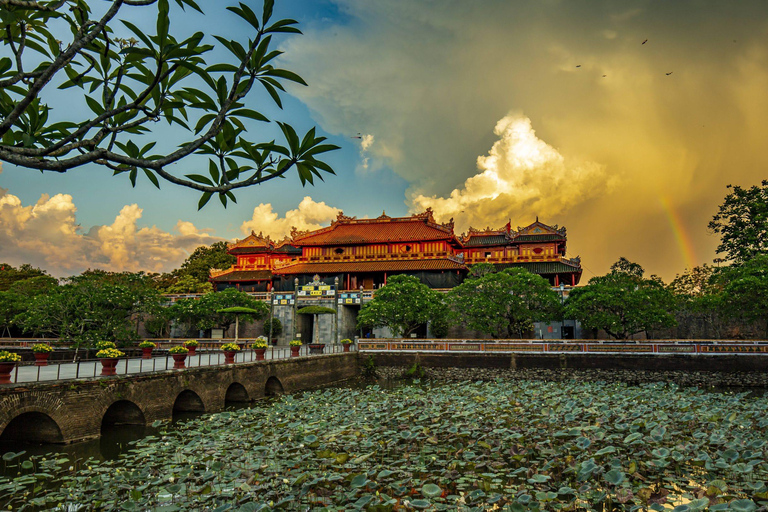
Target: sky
(622,121)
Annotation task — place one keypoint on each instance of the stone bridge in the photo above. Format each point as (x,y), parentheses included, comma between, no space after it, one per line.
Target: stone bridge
(71,411)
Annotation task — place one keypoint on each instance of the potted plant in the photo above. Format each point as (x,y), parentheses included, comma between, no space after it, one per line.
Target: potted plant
(260,348)
(179,354)
(42,351)
(191,346)
(346,343)
(109,357)
(295,347)
(8,362)
(146,347)
(230,351)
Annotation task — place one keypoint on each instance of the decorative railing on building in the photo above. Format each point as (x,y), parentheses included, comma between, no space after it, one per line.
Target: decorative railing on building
(703,347)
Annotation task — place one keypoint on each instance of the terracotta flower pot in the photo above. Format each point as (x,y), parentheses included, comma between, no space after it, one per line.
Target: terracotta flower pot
(192,351)
(146,353)
(5,372)
(41,358)
(109,366)
(178,361)
(295,351)
(345,347)
(260,353)
(229,357)
(316,348)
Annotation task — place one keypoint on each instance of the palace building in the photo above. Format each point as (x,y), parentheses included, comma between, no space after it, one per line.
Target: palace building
(357,254)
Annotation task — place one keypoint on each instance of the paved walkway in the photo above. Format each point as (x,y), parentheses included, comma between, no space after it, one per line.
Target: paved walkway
(92,368)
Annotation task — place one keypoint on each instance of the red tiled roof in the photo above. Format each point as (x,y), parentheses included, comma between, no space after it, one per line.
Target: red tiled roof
(371,231)
(243,275)
(337,267)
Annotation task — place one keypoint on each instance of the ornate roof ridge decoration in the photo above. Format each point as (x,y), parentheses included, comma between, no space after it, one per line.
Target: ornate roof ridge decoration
(252,240)
(426,217)
(488,231)
(539,228)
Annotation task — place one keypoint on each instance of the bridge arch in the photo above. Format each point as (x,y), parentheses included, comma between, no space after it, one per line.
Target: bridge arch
(273,387)
(236,393)
(33,427)
(188,401)
(123,412)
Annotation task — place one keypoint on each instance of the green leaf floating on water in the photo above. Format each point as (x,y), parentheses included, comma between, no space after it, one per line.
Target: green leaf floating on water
(466,445)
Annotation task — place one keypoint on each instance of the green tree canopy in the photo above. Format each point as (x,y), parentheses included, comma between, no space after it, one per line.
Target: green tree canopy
(403,305)
(9,274)
(622,302)
(700,297)
(742,223)
(208,311)
(192,276)
(745,288)
(93,306)
(504,304)
(130,77)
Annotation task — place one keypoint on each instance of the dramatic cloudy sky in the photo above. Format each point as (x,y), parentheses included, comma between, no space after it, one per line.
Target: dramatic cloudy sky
(486,111)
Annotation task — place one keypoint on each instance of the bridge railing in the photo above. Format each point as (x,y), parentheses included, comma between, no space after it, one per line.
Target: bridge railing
(91,368)
(659,347)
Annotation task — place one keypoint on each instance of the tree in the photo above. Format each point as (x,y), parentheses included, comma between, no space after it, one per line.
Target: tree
(205,312)
(91,307)
(746,290)
(622,302)
(403,305)
(742,223)
(700,297)
(192,276)
(504,304)
(9,274)
(130,83)
(16,299)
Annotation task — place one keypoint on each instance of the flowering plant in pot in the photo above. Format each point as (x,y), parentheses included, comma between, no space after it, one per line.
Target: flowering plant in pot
(42,351)
(179,354)
(346,343)
(146,349)
(295,347)
(230,351)
(260,348)
(109,357)
(8,361)
(192,346)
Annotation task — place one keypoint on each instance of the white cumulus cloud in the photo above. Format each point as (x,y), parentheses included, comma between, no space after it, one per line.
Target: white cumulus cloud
(47,235)
(521,176)
(308,215)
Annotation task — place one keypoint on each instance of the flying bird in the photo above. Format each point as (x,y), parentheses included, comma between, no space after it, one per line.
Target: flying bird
(578,65)
(605,76)
(644,42)
(669,73)
(358,136)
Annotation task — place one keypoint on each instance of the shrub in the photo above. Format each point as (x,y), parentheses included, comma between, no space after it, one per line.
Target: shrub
(230,347)
(147,344)
(42,347)
(109,353)
(295,343)
(9,357)
(178,350)
(259,343)
(346,341)
(102,345)
(191,343)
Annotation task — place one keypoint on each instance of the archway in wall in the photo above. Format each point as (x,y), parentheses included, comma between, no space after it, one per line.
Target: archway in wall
(32,427)
(187,402)
(123,423)
(122,412)
(273,387)
(236,394)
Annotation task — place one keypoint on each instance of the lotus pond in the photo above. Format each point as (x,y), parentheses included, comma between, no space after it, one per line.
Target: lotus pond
(500,445)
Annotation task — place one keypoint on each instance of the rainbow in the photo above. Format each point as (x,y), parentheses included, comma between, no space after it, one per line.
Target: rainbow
(681,235)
